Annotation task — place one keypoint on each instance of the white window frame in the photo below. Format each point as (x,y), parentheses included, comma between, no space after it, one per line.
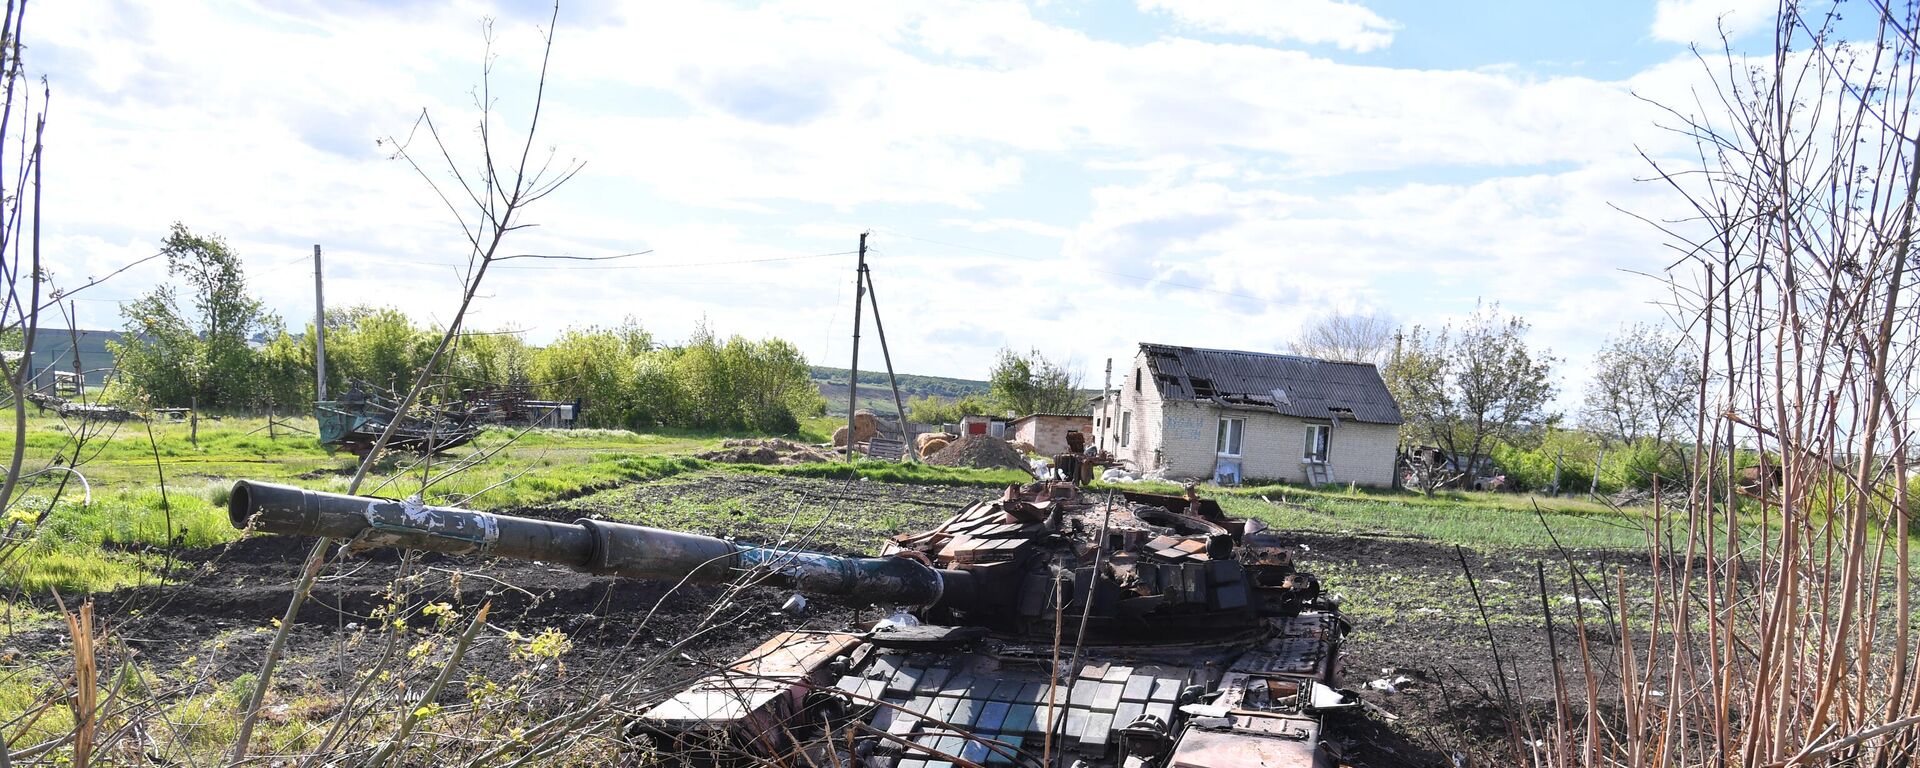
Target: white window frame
(1126,428)
(1325,444)
(1230,440)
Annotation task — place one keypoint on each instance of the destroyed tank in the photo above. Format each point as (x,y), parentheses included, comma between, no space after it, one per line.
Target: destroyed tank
(1045,627)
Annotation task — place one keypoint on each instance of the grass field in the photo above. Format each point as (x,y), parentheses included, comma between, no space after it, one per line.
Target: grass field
(138,503)
(160,488)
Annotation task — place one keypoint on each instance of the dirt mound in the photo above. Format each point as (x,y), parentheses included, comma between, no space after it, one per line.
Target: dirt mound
(769,451)
(980,452)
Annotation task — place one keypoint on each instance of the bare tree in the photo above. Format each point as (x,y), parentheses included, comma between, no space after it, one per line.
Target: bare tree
(1347,338)
(1785,633)
(1643,386)
(1463,388)
(494,198)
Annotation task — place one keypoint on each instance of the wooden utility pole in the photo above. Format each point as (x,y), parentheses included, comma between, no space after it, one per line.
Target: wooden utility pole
(1106,404)
(906,430)
(79,373)
(853,369)
(319,330)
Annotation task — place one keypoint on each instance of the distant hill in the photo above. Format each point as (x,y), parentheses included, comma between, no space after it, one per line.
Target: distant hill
(877,396)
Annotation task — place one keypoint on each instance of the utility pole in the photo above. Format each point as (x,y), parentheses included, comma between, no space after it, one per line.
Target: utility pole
(899,411)
(319,330)
(853,369)
(79,373)
(1106,404)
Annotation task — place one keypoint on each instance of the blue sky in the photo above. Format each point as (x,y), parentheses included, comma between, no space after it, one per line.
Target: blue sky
(1072,176)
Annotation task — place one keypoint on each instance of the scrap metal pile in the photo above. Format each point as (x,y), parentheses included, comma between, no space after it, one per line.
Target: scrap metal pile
(73,409)
(1044,627)
(515,405)
(355,422)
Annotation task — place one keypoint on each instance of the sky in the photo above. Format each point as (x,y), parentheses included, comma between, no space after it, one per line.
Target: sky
(1072,176)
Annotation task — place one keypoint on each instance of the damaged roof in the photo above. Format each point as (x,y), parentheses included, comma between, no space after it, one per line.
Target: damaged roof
(1290,384)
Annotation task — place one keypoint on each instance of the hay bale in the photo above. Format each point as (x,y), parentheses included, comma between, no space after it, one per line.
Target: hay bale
(1024,447)
(920,440)
(933,446)
(865,425)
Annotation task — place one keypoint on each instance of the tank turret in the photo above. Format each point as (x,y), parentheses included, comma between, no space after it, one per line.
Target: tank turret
(1052,626)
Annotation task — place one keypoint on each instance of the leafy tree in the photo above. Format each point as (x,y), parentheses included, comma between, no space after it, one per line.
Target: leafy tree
(1464,389)
(702,370)
(744,384)
(1575,451)
(595,365)
(771,383)
(1031,383)
(489,359)
(936,410)
(1347,338)
(158,354)
(285,365)
(655,397)
(177,355)
(1644,387)
(378,345)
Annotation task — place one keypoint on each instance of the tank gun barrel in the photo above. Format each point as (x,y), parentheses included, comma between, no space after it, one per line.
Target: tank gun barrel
(593,546)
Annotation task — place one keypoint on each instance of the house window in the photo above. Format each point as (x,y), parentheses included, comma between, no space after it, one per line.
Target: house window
(1319,438)
(1137,375)
(1229,442)
(1126,428)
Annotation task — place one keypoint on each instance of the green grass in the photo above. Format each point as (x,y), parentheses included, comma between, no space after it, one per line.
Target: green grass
(1451,522)
(1478,519)
(101,546)
(888,472)
(816,513)
(85,547)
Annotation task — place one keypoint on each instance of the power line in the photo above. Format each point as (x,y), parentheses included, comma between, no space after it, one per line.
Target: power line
(700,263)
(301,259)
(1145,280)
(427,263)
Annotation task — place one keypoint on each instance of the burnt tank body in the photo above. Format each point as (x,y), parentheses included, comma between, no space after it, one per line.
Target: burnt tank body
(1045,627)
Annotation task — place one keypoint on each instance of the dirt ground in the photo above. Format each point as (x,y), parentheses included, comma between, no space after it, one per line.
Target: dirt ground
(1448,703)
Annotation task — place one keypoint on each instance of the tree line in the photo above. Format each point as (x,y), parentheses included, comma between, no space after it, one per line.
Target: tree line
(203,339)
(1478,391)
(1017,384)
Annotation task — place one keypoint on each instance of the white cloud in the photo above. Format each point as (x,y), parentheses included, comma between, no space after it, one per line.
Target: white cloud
(1549,247)
(1273,184)
(1701,21)
(1035,228)
(1348,25)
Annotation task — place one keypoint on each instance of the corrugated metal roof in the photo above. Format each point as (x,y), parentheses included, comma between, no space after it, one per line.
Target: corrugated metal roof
(1289,384)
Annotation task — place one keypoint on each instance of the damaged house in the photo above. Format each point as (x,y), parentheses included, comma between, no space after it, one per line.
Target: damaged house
(1215,414)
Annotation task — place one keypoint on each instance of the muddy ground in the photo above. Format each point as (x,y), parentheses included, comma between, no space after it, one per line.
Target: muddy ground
(217,618)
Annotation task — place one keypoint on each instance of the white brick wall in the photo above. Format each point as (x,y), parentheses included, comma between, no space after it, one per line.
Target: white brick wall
(1048,434)
(1182,437)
